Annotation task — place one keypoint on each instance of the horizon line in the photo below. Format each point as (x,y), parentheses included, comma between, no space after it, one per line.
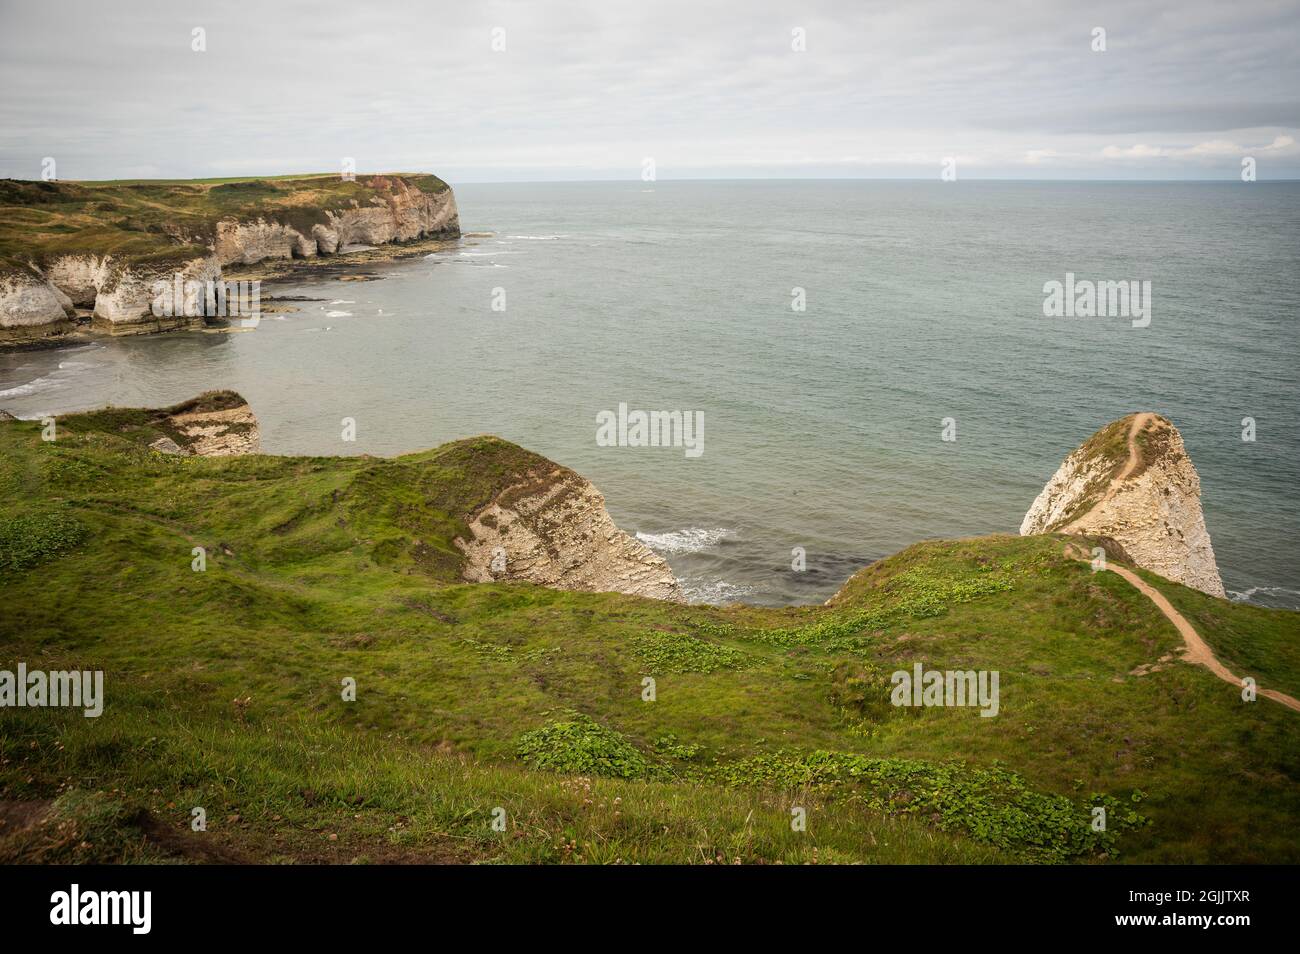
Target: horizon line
(292,175)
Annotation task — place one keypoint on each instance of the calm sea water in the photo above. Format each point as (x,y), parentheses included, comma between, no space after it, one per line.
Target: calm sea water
(822,427)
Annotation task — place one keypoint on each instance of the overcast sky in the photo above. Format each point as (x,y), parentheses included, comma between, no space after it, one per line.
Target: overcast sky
(709,88)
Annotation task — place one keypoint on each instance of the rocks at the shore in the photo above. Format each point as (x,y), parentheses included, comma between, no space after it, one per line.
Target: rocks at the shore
(1153,512)
(124,302)
(31,307)
(40,292)
(552,528)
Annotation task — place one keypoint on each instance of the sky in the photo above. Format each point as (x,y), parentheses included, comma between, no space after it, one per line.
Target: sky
(539,90)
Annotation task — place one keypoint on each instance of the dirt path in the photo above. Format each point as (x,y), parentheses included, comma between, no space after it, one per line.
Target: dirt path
(1140,422)
(1196,650)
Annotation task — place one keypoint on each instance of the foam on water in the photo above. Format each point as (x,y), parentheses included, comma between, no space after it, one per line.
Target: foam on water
(715,592)
(690,540)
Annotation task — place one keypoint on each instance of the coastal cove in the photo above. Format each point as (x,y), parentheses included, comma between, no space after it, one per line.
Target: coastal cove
(924,302)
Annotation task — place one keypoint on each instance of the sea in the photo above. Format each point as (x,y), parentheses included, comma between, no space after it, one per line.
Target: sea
(869,361)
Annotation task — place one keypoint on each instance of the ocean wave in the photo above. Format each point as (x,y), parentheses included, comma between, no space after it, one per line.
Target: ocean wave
(1247,595)
(43,383)
(338,314)
(690,540)
(715,592)
(538,238)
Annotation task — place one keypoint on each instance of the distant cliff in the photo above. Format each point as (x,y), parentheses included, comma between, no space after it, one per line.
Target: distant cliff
(1132,481)
(101,246)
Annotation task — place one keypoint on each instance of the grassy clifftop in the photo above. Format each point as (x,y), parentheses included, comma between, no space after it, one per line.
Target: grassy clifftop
(149,220)
(223,687)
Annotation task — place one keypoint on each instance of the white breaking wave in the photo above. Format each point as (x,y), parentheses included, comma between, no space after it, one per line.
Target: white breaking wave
(690,540)
(715,592)
(1243,596)
(338,314)
(342,301)
(31,387)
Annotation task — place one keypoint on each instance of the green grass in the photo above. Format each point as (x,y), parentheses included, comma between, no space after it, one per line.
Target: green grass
(1250,640)
(224,687)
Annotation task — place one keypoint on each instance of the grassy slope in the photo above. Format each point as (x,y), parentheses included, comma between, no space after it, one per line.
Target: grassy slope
(223,686)
(144,220)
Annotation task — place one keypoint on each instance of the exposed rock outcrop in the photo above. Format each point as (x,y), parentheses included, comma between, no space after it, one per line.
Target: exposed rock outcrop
(79,277)
(552,528)
(214,225)
(1133,482)
(31,307)
(125,299)
(214,424)
(212,430)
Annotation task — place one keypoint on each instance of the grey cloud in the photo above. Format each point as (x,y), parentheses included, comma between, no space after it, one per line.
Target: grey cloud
(586,88)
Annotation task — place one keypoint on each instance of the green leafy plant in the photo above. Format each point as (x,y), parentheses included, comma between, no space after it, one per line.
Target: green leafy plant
(994,805)
(582,746)
(33,538)
(662,652)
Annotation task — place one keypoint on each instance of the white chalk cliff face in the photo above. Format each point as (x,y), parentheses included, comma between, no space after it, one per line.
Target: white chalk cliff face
(1132,481)
(553,529)
(400,213)
(39,302)
(31,307)
(124,300)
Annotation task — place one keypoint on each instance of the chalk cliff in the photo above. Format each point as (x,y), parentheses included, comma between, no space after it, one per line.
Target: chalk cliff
(101,247)
(30,307)
(1132,481)
(551,528)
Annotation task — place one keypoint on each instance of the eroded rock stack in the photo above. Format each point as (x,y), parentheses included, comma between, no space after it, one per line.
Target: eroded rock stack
(1132,481)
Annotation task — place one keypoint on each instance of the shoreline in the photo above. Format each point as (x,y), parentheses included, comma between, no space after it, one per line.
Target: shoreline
(273,273)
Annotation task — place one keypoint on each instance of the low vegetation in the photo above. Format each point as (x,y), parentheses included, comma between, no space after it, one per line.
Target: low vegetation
(225,688)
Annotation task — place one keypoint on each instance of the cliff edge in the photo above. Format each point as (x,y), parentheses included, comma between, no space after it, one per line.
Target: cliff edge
(1132,481)
(551,527)
(102,247)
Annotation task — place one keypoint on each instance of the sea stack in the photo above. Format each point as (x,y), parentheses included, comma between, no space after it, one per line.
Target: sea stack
(1132,481)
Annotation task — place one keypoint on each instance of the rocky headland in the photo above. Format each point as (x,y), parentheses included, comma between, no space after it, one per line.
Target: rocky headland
(74,254)
(551,528)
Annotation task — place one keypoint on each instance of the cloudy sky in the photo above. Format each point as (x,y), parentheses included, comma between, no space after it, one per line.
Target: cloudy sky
(587,89)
